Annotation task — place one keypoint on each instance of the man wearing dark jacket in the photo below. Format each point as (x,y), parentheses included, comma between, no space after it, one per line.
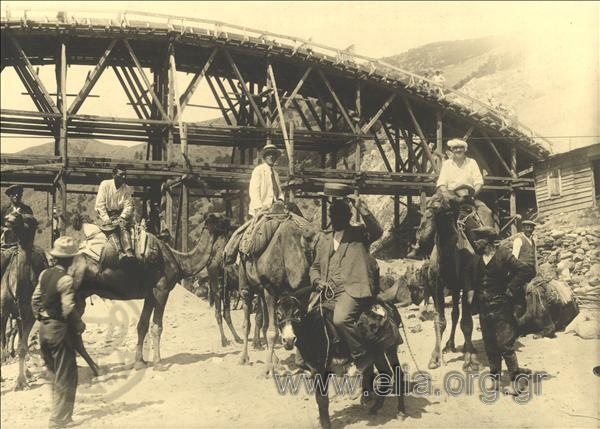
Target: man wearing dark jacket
(15,194)
(342,264)
(53,304)
(501,278)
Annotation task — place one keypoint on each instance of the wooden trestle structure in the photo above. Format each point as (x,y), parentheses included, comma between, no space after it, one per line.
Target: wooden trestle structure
(302,96)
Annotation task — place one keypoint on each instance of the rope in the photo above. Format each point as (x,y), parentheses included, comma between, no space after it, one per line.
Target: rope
(412,355)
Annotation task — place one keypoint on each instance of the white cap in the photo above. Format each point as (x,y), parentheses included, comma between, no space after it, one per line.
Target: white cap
(457,143)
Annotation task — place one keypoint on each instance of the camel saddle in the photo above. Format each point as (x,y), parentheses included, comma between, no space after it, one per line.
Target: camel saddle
(102,250)
(252,238)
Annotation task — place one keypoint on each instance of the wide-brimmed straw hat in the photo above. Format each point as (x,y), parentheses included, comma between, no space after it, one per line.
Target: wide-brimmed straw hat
(270,148)
(64,247)
(486,233)
(528,223)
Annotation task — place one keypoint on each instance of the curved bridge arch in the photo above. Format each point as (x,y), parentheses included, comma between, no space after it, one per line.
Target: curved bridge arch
(257,78)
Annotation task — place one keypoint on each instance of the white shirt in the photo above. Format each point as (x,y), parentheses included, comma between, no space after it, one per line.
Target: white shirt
(452,175)
(439,79)
(110,198)
(261,188)
(518,243)
(337,239)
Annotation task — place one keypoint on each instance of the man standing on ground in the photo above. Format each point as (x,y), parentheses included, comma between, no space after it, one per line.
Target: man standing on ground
(53,304)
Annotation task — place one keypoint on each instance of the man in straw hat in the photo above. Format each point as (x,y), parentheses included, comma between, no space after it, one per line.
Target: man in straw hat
(53,304)
(264,187)
(341,265)
(16,204)
(501,278)
(458,172)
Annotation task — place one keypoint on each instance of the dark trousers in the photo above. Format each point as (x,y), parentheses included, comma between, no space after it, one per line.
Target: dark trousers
(59,357)
(345,315)
(499,332)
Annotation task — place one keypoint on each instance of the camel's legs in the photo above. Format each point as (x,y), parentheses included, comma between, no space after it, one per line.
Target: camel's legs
(142,330)
(450,344)
(272,332)
(247,304)
(3,341)
(259,323)
(24,326)
(161,294)
(440,325)
(466,326)
(227,314)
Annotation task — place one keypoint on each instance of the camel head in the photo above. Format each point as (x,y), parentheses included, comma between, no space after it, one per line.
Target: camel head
(217,224)
(23,226)
(308,240)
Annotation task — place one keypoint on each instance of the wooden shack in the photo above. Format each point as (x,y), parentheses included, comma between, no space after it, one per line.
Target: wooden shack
(568,181)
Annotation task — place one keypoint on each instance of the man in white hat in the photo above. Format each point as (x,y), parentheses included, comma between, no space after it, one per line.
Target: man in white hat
(457,172)
(264,187)
(53,304)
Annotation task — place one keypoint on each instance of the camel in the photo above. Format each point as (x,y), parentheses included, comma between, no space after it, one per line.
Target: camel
(223,280)
(452,267)
(151,281)
(20,273)
(282,267)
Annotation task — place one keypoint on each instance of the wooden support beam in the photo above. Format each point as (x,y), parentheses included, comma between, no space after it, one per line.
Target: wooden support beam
(382,153)
(498,155)
(315,114)
(291,98)
(61,88)
(303,117)
(92,79)
(177,109)
(220,103)
(286,140)
(189,91)
(138,65)
(468,133)
(240,78)
(380,112)
(337,101)
(137,89)
(244,114)
(513,195)
(39,85)
(424,143)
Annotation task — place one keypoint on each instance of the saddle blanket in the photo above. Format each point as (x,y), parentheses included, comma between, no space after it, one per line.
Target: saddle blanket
(95,243)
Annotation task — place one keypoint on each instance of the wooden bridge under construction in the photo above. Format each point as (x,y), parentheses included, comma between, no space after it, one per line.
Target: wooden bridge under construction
(306,98)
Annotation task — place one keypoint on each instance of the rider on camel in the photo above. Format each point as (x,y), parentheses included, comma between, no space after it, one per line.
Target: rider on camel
(265,188)
(114,205)
(458,172)
(15,194)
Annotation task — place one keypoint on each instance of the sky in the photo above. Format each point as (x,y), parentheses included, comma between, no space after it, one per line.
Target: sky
(376,29)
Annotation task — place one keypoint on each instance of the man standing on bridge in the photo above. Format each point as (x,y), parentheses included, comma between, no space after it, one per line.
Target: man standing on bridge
(459,171)
(114,205)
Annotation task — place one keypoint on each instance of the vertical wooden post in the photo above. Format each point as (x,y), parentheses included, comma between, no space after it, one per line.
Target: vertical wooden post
(291,166)
(439,138)
(323,199)
(397,169)
(357,161)
(513,195)
(61,147)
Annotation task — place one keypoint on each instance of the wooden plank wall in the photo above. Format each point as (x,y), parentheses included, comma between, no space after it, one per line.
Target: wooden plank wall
(577,182)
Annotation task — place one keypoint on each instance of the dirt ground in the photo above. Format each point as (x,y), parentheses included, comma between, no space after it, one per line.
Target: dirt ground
(204,386)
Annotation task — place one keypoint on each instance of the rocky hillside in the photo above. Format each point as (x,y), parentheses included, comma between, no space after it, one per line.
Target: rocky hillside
(551,85)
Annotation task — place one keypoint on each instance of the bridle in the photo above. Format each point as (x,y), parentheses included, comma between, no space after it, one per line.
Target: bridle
(297,314)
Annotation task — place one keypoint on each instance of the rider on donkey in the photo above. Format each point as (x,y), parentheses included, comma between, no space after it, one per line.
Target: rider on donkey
(458,172)
(114,205)
(342,264)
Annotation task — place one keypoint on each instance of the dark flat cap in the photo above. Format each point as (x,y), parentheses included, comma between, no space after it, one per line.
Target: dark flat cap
(14,189)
